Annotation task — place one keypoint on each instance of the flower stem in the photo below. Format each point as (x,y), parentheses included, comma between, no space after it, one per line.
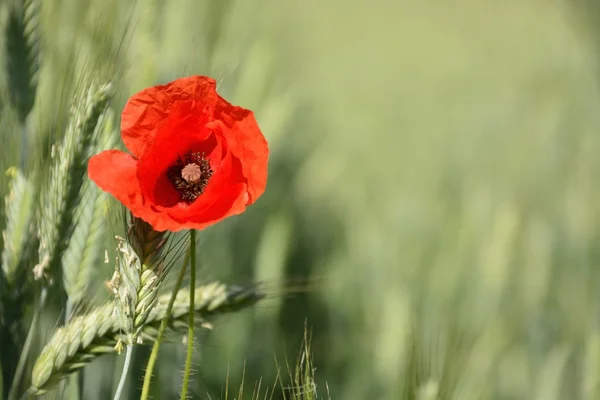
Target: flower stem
(161,331)
(125,371)
(190,336)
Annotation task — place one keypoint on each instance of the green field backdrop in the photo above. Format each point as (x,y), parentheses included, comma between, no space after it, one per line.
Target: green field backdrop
(433,205)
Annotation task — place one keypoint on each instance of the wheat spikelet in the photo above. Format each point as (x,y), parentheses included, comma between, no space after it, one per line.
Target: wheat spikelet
(89,336)
(137,276)
(18,253)
(84,250)
(19,247)
(63,190)
(19,218)
(135,291)
(22,55)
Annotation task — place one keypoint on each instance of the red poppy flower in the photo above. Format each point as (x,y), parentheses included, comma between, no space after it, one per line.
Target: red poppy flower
(195,159)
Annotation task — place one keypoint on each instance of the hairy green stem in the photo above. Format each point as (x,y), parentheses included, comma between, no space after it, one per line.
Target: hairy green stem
(161,331)
(190,336)
(125,372)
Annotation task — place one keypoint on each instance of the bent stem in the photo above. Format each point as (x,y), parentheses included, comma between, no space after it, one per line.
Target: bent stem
(124,373)
(161,332)
(190,336)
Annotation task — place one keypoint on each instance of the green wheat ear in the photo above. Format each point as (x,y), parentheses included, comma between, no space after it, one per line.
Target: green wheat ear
(84,252)
(19,206)
(87,337)
(23,55)
(63,190)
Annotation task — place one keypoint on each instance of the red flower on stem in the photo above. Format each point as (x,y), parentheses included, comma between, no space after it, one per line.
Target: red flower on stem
(195,159)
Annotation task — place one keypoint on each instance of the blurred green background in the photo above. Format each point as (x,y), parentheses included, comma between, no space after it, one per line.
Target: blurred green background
(433,203)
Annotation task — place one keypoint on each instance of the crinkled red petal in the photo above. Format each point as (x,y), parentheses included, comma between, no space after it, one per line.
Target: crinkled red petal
(246,142)
(175,139)
(147,111)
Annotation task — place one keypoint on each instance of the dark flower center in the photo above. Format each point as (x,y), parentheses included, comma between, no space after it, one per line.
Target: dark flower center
(190,175)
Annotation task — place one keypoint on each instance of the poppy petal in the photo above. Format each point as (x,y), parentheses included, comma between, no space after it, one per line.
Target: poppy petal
(146,111)
(115,172)
(178,136)
(247,143)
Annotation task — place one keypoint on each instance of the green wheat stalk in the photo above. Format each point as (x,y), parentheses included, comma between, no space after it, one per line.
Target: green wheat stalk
(19,247)
(19,206)
(138,273)
(84,250)
(135,288)
(63,190)
(85,247)
(89,336)
(18,253)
